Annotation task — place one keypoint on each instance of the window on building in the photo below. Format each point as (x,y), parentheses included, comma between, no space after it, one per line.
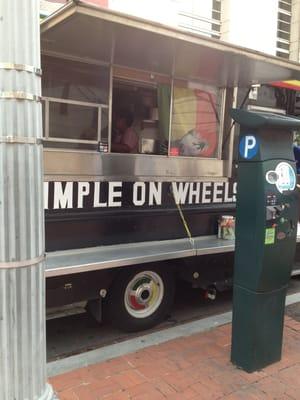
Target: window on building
(203,17)
(284,28)
(216,19)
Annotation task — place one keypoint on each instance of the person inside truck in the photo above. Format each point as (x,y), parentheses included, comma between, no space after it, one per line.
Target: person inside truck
(125,139)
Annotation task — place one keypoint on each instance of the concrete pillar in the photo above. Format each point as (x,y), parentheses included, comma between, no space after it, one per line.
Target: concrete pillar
(225,20)
(22,282)
(295,31)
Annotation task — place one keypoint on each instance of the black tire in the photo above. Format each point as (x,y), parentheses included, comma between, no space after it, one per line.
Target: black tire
(115,308)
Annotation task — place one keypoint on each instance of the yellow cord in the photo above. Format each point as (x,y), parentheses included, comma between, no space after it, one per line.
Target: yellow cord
(186,227)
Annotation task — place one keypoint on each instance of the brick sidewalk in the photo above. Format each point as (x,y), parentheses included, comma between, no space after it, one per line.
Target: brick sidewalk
(189,368)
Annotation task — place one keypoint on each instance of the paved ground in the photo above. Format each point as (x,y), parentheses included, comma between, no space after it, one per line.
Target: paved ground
(293,311)
(194,367)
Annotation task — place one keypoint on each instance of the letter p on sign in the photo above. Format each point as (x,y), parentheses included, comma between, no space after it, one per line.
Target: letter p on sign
(248,146)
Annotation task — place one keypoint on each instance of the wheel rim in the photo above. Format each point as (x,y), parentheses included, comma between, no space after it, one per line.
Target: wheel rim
(144,294)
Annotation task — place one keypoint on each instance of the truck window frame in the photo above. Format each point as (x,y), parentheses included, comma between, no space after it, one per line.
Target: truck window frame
(108,107)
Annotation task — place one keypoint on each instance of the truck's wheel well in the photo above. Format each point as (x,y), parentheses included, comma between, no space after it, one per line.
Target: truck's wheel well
(140,297)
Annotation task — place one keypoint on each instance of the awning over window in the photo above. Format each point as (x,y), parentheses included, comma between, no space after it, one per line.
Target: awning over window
(92,33)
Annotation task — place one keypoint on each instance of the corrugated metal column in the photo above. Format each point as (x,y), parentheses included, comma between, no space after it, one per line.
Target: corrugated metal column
(22,293)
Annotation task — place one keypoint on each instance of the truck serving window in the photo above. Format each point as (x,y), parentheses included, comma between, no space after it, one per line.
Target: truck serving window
(195,120)
(75,104)
(150,113)
(143,97)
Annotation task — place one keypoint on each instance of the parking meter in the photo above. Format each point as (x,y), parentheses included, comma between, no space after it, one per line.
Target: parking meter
(266,230)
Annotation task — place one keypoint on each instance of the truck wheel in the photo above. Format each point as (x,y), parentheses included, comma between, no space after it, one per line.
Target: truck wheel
(138,300)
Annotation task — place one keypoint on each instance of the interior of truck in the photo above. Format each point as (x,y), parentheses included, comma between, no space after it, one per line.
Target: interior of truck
(141,100)
(174,117)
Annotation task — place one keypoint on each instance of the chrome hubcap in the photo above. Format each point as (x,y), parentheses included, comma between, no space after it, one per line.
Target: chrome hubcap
(144,294)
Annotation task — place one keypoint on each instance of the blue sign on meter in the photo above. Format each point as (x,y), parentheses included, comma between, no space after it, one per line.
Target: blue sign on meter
(248,146)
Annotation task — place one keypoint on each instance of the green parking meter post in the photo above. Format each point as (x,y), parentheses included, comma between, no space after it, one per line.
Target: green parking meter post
(266,230)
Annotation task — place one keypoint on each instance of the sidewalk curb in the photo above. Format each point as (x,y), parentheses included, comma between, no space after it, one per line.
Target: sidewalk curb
(120,349)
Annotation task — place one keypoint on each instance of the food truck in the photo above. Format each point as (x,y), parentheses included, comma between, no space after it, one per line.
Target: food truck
(139,158)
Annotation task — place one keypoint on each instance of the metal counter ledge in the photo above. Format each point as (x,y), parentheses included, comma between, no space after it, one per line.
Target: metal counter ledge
(103,257)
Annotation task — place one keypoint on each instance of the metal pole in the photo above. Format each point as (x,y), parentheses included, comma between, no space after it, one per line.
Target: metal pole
(22,282)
